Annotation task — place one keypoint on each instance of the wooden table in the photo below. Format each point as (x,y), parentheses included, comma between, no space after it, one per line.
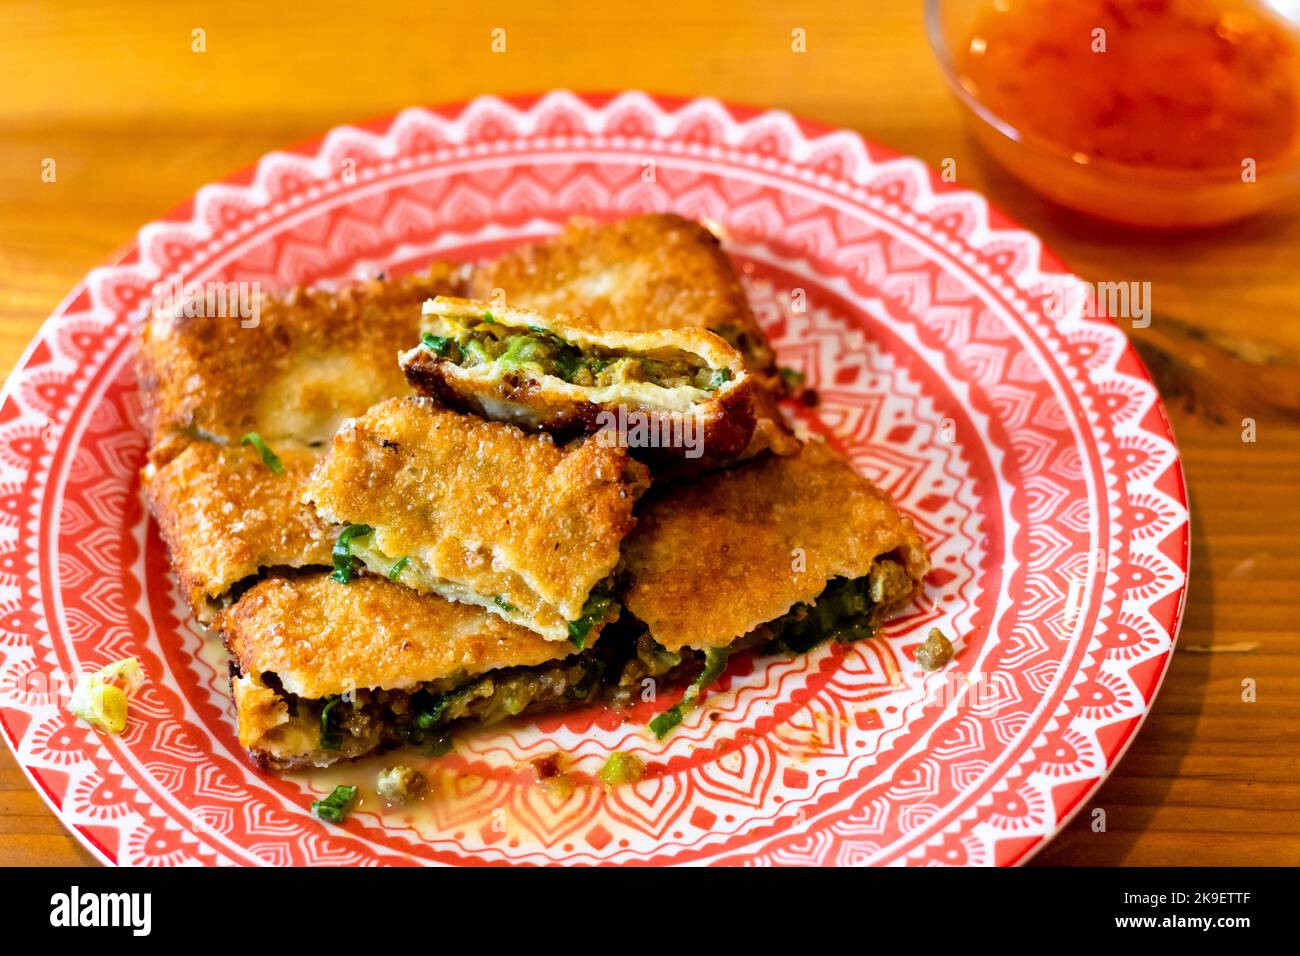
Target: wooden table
(136,121)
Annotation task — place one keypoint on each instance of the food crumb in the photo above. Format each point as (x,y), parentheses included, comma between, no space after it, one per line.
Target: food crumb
(935,652)
(547,767)
(550,774)
(336,807)
(621,768)
(100,699)
(400,784)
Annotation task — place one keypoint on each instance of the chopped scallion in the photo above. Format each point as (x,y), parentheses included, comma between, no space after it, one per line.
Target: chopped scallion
(715,662)
(336,807)
(437,344)
(666,721)
(343,551)
(718,378)
(330,739)
(593,611)
(428,718)
(269,458)
(621,768)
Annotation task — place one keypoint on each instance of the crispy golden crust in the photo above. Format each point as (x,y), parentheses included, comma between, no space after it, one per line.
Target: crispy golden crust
(314,358)
(483,511)
(771,432)
(700,430)
(711,560)
(276,738)
(225,514)
(322,638)
(657,271)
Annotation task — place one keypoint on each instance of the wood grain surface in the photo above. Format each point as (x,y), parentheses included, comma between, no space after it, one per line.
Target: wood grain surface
(136,121)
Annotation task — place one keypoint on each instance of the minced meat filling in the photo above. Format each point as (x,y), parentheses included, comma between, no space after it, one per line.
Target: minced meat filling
(382,719)
(613,672)
(546,353)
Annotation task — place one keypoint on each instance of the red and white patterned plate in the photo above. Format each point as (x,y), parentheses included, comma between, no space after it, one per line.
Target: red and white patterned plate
(1026,440)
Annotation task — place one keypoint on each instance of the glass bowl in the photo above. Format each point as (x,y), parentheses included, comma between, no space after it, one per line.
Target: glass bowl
(1144,196)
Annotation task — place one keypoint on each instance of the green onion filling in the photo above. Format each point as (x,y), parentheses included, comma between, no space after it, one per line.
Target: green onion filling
(435,343)
(381,719)
(614,670)
(715,662)
(845,611)
(593,611)
(330,737)
(343,551)
(543,352)
(717,378)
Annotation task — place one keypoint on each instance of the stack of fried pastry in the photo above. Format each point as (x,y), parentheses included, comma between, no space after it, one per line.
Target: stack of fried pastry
(539,482)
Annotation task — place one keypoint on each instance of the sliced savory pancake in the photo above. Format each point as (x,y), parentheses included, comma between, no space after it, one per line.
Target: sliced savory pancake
(480,512)
(652,272)
(217,394)
(647,273)
(325,672)
(777,554)
(678,399)
(475,564)
(313,358)
(791,549)
(227,513)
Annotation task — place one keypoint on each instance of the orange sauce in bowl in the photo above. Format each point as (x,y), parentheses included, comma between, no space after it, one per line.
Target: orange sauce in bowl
(1185,85)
